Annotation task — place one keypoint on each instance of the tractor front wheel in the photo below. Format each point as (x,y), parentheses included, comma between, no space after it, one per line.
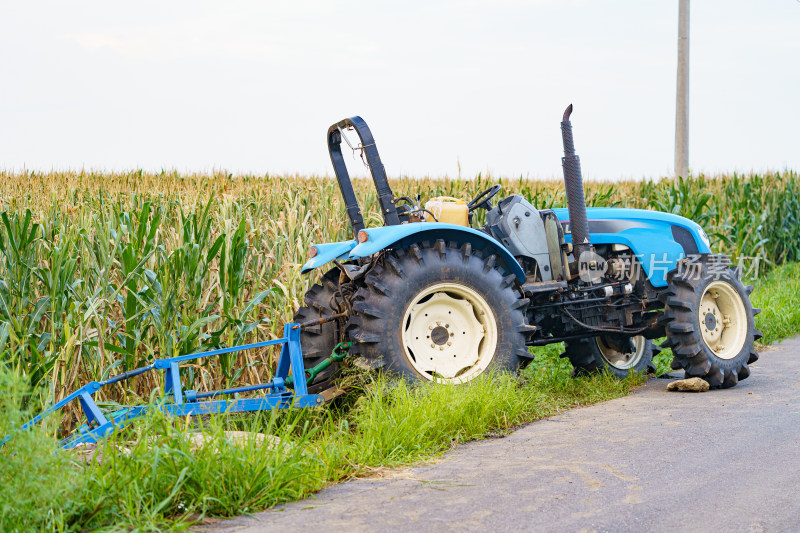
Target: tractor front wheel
(434,312)
(710,322)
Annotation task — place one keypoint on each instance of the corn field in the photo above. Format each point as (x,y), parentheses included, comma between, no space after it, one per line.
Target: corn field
(103,272)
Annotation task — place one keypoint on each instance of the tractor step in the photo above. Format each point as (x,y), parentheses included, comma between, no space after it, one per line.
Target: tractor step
(543,286)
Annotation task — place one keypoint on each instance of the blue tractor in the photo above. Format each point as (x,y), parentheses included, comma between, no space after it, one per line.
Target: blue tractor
(432,296)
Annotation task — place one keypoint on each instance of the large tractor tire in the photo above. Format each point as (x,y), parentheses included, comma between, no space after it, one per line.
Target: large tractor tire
(317,342)
(710,322)
(437,312)
(598,354)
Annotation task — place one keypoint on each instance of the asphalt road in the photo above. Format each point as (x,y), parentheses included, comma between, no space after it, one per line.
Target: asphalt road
(725,460)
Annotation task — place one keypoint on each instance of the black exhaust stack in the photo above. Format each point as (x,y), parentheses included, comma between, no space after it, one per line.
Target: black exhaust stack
(573,183)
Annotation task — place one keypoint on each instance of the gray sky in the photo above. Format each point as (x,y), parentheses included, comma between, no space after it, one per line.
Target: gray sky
(253,86)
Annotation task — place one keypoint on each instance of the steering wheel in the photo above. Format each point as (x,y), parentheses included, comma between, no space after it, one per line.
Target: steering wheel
(484,199)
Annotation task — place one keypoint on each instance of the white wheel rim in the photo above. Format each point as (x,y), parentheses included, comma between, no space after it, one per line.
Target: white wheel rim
(623,360)
(723,319)
(449,333)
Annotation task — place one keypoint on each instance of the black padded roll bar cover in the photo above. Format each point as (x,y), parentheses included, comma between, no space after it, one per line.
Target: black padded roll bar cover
(376,169)
(573,183)
(345,184)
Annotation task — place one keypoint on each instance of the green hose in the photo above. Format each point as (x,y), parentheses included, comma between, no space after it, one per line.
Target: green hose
(338,354)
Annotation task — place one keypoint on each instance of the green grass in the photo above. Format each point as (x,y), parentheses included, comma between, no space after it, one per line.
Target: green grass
(778,297)
(36,485)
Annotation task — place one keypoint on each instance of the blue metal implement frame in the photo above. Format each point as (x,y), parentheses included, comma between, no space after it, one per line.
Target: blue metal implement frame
(180,402)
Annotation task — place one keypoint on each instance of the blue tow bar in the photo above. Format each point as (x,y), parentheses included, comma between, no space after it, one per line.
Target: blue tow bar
(182,402)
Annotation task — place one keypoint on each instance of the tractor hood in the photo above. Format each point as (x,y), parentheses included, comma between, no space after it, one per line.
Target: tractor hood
(658,239)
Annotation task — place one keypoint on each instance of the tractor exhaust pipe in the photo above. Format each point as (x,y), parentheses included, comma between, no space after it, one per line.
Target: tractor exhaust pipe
(573,183)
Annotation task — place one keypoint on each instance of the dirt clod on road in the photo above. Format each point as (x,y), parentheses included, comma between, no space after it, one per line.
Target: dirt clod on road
(689,385)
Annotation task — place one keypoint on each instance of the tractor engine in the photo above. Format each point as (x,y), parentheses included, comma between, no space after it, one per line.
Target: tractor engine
(534,238)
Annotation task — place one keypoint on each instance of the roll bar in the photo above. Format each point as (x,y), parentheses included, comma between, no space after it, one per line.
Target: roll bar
(385,197)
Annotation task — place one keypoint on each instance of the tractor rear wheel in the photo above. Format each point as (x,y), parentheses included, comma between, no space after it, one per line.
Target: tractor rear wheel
(602,353)
(317,342)
(710,321)
(434,312)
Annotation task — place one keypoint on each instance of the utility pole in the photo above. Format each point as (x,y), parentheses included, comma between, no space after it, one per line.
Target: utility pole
(682,93)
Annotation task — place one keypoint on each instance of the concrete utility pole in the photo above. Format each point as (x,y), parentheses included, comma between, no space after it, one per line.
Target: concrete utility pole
(682,96)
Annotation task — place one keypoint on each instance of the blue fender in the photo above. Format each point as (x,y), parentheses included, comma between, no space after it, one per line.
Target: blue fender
(651,235)
(327,253)
(383,237)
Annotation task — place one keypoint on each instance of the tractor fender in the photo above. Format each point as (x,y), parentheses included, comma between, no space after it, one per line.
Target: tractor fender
(384,237)
(325,253)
